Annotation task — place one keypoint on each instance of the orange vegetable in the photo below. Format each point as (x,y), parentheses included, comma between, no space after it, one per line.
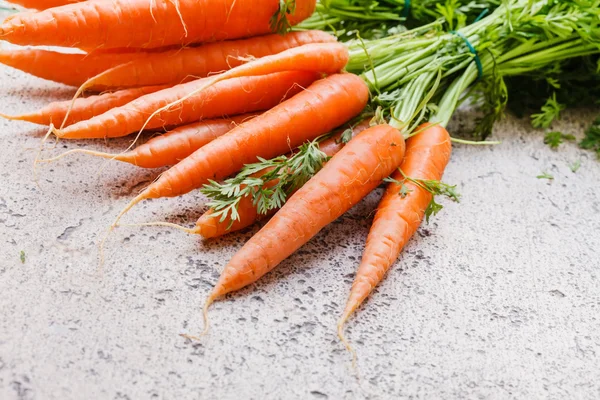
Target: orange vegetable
(209,226)
(325,58)
(83,108)
(69,68)
(178,65)
(305,116)
(146,24)
(348,177)
(397,217)
(173,146)
(43,4)
(230,97)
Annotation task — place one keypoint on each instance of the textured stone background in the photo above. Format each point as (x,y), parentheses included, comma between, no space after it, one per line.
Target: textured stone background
(497,298)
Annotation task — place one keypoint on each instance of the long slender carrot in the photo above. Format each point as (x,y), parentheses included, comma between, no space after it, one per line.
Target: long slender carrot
(71,69)
(397,217)
(209,226)
(173,146)
(147,24)
(83,108)
(175,66)
(348,177)
(230,97)
(323,106)
(326,58)
(43,4)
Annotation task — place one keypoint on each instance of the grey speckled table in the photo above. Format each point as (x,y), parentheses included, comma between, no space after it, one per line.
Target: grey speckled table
(497,298)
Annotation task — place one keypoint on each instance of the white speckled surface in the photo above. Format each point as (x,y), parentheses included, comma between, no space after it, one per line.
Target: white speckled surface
(497,298)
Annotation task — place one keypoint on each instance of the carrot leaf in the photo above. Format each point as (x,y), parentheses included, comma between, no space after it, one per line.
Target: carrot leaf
(279,22)
(267,182)
(22,256)
(555,139)
(591,141)
(550,111)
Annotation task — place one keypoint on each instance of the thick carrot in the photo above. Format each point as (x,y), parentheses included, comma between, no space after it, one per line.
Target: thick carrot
(348,177)
(43,4)
(175,66)
(209,226)
(69,68)
(83,108)
(146,24)
(324,105)
(230,97)
(397,217)
(173,146)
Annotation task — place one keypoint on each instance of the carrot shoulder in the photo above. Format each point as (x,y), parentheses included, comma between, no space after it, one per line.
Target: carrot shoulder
(146,24)
(178,65)
(397,217)
(348,177)
(71,69)
(229,97)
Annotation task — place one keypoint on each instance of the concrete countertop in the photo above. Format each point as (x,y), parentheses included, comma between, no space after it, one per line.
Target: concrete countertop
(498,297)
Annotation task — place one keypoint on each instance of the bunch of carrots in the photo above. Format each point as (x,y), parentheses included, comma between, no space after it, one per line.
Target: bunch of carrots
(262,118)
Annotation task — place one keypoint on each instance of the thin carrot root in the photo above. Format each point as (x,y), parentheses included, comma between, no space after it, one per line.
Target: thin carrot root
(39,153)
(340,333)
(162,223)
(78,151)
(208,303)
(10,117)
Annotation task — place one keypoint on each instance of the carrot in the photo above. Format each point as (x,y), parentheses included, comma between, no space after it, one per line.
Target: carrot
(147,24)
(230,97)
(210,226)
(175,66)
(326,58)
(83,108)
(71,69)
(173,146)
(43,4)
(312,112)
(348,177)
(398,217)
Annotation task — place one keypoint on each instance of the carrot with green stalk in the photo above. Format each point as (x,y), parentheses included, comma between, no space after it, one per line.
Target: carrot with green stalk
(349,176)
(158,23)
(262,187)
(305,116)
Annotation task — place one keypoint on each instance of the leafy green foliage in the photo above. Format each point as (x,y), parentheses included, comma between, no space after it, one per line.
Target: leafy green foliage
(550,111)
(267,182)
(591,141)
(435,187)
(22,256)
(279,22)
(555,139)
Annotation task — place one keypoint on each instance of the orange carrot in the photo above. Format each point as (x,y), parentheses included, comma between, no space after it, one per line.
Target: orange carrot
(230,97)
(326,58)
(178,65)
(43,4)
(398,217)
(173,146)
(348,177)
(305,116)
(146,24)
(69,68)
(83,108)
(210,226)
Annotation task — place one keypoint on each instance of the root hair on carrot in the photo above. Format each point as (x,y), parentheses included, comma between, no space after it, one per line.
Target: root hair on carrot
(163,223)
(209,301)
